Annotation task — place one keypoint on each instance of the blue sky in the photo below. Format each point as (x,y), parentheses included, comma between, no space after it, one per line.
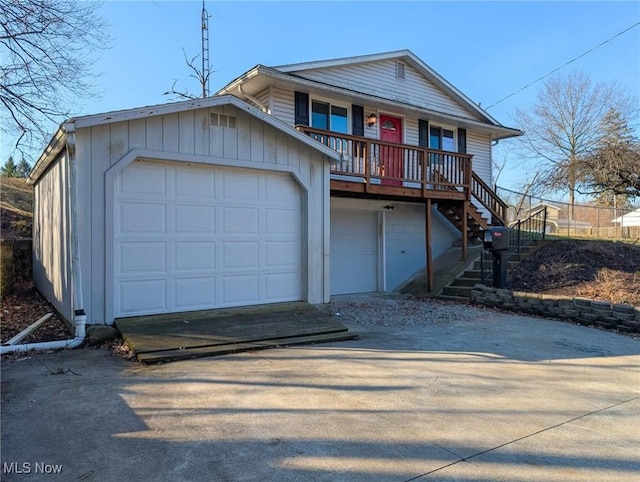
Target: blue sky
(488,50)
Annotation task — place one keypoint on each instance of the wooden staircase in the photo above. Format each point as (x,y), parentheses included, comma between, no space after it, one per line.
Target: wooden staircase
(454,212)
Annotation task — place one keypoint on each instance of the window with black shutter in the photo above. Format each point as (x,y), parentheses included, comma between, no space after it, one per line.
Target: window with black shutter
(462,141)
(302,108)
(357,120)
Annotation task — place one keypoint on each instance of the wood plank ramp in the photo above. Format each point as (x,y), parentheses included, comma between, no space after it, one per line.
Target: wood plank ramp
(179,336)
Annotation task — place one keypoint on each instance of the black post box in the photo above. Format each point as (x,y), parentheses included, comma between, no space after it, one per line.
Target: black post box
(496,240)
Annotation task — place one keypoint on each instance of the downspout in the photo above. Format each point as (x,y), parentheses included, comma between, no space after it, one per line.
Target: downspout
(253,99)
(79,316)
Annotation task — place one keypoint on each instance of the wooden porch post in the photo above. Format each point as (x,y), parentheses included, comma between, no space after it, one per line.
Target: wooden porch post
(465,237)
(366,155)
(428,245)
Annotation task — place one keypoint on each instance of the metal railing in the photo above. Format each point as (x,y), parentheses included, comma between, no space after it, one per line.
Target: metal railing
(521,234)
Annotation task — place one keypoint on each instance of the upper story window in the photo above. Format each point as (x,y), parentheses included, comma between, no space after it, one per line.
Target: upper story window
(329,117)
(442,139)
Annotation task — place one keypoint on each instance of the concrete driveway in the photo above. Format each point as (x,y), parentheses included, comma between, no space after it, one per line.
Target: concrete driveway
(502,397)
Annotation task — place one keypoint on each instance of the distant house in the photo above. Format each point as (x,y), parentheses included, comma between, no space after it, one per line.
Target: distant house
(553,212)
(292,183)
(628,220)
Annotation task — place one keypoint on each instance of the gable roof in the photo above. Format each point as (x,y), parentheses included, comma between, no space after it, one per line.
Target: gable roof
(291,74)
(541,205)
(59,139)
(404,55)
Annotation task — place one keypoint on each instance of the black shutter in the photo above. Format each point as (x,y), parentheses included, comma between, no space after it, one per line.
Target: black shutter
(423,133)
(357,120)
(302,108)
(462,141)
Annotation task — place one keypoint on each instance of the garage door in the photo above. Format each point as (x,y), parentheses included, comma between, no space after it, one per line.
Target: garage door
(354,251)
(191,237)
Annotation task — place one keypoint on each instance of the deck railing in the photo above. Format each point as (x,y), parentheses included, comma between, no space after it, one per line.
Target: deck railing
(386,163)
(375,162)
(489,199)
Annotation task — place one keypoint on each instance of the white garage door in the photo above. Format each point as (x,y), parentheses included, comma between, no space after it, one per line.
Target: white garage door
(354,251)
(189,238)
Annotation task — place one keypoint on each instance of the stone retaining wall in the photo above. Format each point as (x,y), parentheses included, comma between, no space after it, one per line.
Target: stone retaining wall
(580,310)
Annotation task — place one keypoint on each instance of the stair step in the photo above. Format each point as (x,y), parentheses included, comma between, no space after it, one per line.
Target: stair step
(464,291)
(472,274)
(457,299)
(463,281)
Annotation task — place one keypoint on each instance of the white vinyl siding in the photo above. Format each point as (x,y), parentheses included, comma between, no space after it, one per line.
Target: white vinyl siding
(264,98)
(412,136)
(283,105)
(379,79)
(480,146)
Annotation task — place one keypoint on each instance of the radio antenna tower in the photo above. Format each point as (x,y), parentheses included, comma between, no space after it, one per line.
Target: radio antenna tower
(205,52)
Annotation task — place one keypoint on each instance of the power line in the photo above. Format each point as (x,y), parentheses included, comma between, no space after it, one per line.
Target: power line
(563,66)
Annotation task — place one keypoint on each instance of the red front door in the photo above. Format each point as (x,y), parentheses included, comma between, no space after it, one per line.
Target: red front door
(391,164)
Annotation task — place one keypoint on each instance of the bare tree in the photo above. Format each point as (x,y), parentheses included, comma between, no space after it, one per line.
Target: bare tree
(201,75)
(46,48)
(564,126)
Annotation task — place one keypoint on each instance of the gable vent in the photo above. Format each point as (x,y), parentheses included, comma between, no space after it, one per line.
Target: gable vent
(222,120)
(399,70)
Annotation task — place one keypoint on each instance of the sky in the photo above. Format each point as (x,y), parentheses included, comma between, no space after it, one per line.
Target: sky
(488,50)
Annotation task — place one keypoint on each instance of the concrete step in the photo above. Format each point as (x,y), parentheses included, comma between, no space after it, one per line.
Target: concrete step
(475,274)
(456,299)
(461,286)
(446,268)
(464,281)
(463,291)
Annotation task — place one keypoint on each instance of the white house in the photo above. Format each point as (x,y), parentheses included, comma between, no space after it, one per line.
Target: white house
(291,183)
(628,220)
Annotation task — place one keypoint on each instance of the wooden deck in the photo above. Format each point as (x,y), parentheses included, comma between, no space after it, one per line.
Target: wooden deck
(178,336)
(370,168)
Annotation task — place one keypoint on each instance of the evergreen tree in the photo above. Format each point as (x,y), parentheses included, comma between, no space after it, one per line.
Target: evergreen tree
(24,168)
(9,169)
(612,169)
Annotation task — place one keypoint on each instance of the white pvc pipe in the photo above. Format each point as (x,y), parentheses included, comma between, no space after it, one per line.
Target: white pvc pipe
(79,326)
(252,99)
(28,330)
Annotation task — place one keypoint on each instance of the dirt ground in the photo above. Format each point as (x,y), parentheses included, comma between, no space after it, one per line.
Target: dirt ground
(600,270)
(25,306)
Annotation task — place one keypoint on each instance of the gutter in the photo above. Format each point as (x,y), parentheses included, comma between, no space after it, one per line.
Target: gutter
(491,128)
(253,99)
(79,316)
